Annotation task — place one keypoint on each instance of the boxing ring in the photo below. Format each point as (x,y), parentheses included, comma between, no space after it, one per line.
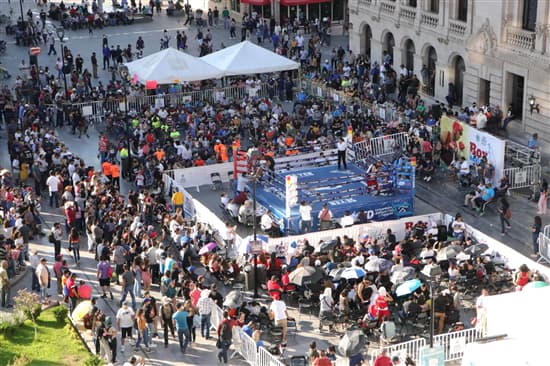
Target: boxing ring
(385,197)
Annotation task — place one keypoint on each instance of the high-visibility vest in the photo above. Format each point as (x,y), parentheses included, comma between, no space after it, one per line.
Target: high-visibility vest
(115,171)
(123,153)
(106,166)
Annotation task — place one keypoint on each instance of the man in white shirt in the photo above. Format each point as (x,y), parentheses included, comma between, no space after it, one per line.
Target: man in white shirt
(464,167)
(125,323)
(279,314)
(341,146)
(305,216)
(346,220)
(481,120)
(269,226)
(53,188)
(242,181)
(326,307)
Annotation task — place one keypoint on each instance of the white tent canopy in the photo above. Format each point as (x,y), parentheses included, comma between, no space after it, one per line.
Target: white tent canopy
(247,58)
(170,66)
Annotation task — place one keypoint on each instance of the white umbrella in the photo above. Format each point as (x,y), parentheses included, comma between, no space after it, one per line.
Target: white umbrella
(353,273)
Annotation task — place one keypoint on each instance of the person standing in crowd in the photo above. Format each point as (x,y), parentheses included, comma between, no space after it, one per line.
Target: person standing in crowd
(56,235)
(177,200)
(505,214)
(128,279)
(104,274)
(225,336)
(166,312)
(278,312)
(109,342)
(74,244)
(325,218)
(305,217)
(5,295)
(53,183)
(142,331)
(481,314)
(459,227)
(204,306)
(535,231)
(342,146)
(125,323)
(43,274)
(542,204)
(180,323)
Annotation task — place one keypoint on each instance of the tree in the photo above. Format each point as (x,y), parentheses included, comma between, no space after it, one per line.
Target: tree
(29,303)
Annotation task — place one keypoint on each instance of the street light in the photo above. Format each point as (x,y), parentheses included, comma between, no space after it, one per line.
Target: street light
(61,35)
(254,235)
(430,272)
(128,133)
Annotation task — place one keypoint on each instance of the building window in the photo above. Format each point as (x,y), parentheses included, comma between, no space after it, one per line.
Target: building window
(462,13)
(235,5)
(529,15)
(412,3)
(433,6)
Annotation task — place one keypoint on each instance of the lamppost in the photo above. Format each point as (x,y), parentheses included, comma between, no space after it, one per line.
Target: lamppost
(254,235)
(61,35)
(431,272)
(128,133)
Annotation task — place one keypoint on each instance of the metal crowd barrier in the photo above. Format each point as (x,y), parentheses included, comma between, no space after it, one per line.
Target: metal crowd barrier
(520,154)
(523,177)
(380,146)
(544,245)
(410,348)
(454,343)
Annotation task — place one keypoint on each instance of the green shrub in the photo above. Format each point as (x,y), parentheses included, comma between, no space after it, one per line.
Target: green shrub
(20,361)
(34,312)
(93,361)
(60,313)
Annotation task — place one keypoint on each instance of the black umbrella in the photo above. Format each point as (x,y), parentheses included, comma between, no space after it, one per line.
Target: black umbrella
(305,275)
(476,249)
(325,246)
(352,343)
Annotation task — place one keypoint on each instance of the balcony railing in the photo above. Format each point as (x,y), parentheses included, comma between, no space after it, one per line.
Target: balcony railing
(366,2)
(408,13)
(429,20)
(457,28)
(387,8)
(520,38)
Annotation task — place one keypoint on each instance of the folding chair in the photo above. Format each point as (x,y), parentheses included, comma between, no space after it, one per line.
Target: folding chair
(388,334)
(230,179)
(217,183)
(298,361)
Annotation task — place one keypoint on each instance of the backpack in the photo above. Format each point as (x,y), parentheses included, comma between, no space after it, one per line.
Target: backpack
(51,237)
(225,332)
(110,272)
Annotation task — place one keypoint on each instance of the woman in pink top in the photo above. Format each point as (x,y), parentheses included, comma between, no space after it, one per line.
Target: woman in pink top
(194,293)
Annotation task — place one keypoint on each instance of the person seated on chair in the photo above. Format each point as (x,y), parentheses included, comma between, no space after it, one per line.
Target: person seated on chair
(224,199)
(233,207)
(427,168)
(273,287)
(487,195)
(464,168)
(470,197)
(246,211)
(285,280)
(347,220)
(442,304)
(269,225)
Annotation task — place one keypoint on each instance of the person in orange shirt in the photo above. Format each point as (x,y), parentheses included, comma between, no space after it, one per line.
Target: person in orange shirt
(159,154)
(115,174)
(221,151)
(106,166)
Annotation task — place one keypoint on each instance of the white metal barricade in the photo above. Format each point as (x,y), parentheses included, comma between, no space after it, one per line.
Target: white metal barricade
(523,177)
(247,348)
(216,317)
(410,348)
(380,146)
(544,245)
(264,358)
(454,343)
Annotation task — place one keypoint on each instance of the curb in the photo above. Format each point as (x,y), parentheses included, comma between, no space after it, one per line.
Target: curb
(17,279)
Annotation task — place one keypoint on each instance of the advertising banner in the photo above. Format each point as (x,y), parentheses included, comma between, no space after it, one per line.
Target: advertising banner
(473,144)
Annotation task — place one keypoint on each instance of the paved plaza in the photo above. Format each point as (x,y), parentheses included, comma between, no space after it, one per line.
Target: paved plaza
(439,195)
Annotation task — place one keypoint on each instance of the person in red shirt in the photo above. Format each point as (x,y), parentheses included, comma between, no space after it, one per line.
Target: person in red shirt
(84,291)
(72,290)
(322,360)
(382,359)
(273,287)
